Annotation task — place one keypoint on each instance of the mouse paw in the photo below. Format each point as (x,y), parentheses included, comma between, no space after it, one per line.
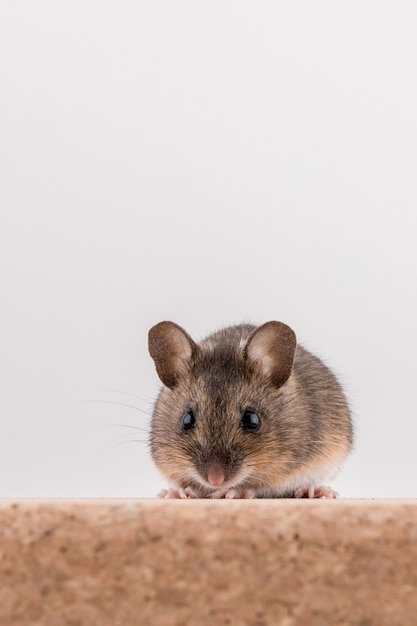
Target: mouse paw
(176,493)
(234,493)
(245,494)
(315,492)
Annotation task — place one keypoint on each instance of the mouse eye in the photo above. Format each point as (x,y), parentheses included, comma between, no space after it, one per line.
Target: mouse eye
(250,421)
(188,421)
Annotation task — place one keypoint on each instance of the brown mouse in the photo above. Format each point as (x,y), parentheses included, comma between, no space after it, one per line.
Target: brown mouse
(245,413)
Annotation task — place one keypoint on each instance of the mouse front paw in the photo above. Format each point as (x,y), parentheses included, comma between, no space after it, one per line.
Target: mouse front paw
(233,494)
(315,492)
(176,493)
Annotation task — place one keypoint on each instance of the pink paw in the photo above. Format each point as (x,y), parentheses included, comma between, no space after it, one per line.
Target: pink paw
(234,493)
(315,492)
(176,493)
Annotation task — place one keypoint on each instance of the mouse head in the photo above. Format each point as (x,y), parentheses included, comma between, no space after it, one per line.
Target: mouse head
(215,418)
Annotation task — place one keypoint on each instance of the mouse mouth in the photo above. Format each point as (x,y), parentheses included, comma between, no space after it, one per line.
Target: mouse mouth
(215,469)
(217,476)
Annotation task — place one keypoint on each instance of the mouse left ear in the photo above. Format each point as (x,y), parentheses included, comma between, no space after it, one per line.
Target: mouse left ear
(272,347)
(171,348)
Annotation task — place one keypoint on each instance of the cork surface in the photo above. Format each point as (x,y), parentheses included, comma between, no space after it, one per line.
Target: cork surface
(194,562)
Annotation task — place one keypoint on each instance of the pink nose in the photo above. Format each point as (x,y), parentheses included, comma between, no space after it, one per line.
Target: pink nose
(215,475)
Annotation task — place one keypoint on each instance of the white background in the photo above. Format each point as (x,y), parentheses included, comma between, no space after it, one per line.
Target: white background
(209,163)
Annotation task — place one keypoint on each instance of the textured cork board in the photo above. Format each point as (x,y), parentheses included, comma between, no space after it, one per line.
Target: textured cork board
(181,563)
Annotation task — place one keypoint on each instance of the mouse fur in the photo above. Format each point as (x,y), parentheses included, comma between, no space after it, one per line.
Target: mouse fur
(304,432)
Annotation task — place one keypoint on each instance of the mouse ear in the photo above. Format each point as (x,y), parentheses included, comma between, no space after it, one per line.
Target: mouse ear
(171,349)
(272,347)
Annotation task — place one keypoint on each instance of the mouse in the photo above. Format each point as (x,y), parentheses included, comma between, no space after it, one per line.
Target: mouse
(245,413)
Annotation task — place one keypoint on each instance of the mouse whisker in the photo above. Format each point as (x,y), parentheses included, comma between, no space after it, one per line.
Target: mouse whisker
(144,430)
(129,406)
(122,443)
(136,441)
(127,393)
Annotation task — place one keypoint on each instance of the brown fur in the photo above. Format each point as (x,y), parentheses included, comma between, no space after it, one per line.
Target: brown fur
(306,430)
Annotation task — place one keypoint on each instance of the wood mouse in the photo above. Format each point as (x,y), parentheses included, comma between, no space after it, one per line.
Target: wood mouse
(245,413)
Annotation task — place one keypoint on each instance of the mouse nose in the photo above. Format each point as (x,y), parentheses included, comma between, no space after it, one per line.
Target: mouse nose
(215,474)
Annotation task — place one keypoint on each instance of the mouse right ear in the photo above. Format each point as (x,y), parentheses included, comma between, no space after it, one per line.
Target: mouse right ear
(272,347)
(171,349)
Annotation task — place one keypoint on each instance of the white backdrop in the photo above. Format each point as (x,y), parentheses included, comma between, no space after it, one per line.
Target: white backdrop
(208,163)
